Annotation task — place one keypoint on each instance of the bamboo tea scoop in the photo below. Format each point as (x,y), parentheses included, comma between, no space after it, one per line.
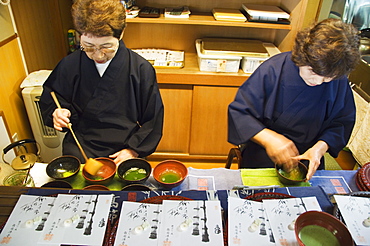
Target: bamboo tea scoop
(92,166)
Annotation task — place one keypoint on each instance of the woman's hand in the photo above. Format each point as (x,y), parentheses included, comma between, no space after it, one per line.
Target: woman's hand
(61,118)
(314,155)
(280,149)
(123,155)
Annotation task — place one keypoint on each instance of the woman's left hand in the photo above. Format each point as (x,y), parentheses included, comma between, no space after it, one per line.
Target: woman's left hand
(313,155)
(123,155)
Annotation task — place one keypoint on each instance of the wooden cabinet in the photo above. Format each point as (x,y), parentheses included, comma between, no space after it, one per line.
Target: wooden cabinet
(209,120)
(42,27)
(195,125)
(177,118)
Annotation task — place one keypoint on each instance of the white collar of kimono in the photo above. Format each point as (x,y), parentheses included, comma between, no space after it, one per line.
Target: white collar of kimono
(102,67)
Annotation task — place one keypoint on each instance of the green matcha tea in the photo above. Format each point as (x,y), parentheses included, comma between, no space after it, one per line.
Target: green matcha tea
(314,235)
(169,177)
(64,173)
(295,174)
(134,174)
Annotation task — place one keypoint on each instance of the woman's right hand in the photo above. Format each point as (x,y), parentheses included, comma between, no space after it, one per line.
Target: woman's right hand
(61,118)
(280,149)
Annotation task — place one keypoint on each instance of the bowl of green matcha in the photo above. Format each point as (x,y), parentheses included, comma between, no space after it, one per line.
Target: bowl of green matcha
(294,176)
(134,171)
(63,167)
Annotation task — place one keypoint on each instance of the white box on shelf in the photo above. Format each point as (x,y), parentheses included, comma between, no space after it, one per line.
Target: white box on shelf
(249,64)
(217,63)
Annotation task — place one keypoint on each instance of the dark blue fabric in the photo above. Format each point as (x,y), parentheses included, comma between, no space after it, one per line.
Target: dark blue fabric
(276,97)
(122,109)
(348,175)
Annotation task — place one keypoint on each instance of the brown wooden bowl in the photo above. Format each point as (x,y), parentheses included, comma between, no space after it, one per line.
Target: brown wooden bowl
(170,173)
(315,226)
(96,187)
(107,172)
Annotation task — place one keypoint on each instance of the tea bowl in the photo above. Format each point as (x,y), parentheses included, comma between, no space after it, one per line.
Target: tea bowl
(296,176)
(104,175)
(134,171)
(320,228)
(63,167)
(170,173)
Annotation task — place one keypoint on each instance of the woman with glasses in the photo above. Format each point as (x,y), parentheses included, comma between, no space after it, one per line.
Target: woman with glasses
(107,92)
(298,105)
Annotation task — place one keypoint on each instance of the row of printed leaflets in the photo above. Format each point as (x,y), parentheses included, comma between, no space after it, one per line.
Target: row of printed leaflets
(83,219)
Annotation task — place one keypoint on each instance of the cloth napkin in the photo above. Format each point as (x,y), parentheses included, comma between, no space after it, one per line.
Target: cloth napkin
(263,177)
(210,179)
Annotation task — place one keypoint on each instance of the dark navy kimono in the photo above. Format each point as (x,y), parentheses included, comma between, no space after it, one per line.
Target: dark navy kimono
(121,109)
(277,98)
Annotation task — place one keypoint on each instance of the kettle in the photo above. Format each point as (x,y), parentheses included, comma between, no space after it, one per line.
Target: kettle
(25,160)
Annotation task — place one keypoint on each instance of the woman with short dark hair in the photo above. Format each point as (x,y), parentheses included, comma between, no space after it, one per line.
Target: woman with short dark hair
(108,92)
(298,105)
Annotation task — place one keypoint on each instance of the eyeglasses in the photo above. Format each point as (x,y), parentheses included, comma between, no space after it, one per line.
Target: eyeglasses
(94,49)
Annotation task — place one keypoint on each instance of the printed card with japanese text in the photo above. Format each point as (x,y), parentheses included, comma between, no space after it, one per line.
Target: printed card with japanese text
(356,214)
(139,224)
(247,223)
(77,220)
(26,222)
(282,214)
(191,223)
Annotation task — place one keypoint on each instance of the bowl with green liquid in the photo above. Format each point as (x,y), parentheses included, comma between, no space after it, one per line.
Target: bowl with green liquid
(294,177)
(170,173)
(134,171)
(63,167)
(314,228)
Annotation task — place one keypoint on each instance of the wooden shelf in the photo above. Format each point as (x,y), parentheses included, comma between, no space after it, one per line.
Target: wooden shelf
(207,19)
(158,156)
(191,75)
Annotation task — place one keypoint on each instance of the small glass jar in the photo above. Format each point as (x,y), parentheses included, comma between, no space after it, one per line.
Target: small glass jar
(18,179)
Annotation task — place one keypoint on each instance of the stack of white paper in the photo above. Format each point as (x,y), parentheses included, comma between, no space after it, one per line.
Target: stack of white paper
(66,219)
(270,222)
(259,12)
(171,223)
(356,214)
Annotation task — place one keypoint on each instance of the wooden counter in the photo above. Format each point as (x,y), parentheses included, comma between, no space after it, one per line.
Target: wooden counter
(8,198)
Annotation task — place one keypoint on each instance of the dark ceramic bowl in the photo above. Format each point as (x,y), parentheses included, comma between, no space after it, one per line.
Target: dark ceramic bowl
(320,228)
(295,177)
(170,173)
(105,174)
(60,184)
(136,187)
(124,169)
(63,167)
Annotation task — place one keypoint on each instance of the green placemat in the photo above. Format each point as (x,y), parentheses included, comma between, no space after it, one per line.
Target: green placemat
(262,177)
(79,182)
